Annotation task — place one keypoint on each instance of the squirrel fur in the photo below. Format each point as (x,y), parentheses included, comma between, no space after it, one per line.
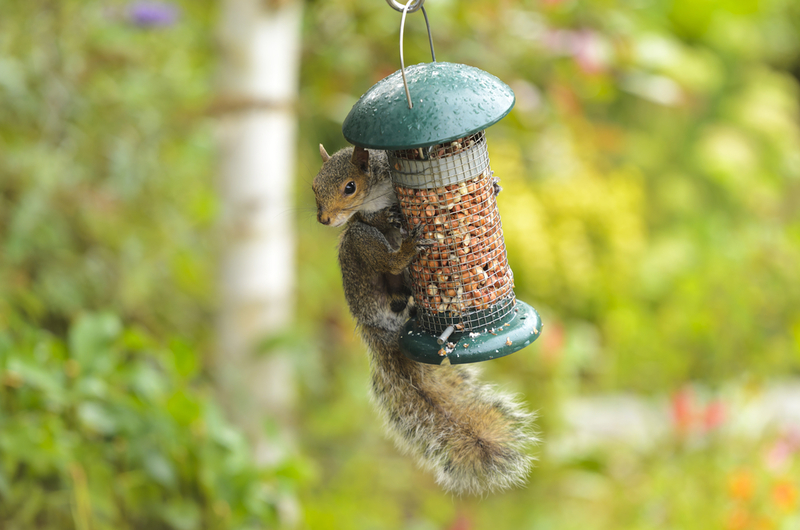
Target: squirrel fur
(473,438)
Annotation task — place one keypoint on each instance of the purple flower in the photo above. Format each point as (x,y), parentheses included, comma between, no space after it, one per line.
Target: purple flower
(153,14)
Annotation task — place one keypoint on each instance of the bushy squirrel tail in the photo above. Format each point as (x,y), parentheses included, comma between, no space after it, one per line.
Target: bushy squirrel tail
(475,439)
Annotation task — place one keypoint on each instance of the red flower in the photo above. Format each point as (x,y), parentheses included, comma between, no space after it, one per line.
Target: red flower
(690,415)
(714,415)
(683,409)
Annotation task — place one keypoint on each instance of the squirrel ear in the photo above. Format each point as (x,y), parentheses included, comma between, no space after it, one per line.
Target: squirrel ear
(360,159)
(324,154)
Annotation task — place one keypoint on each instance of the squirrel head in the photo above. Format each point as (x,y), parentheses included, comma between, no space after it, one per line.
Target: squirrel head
(345,185)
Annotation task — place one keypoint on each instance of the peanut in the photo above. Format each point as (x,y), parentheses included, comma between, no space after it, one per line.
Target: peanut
(466,269)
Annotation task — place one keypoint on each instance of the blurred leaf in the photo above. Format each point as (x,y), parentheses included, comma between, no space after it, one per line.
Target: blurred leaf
(96,418)
(182,515)
(48,382)
(91,337)
(184,358)
(160,469)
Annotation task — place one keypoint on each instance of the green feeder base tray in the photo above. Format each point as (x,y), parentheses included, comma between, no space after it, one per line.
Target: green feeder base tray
(512,333)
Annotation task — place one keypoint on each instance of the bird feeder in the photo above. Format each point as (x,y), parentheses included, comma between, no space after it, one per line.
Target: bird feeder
(431,119)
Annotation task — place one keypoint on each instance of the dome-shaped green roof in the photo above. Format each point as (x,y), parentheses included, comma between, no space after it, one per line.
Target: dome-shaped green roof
(450,101)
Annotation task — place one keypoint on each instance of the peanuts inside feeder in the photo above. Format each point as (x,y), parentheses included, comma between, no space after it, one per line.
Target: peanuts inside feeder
(464,279)
(463,286)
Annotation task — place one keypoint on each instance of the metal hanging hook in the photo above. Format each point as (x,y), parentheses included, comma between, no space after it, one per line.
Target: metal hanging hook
(410,7)
(400,7)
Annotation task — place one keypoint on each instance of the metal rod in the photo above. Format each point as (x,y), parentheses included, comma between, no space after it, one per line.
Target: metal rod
(402,62)
(446,334)
(430,39)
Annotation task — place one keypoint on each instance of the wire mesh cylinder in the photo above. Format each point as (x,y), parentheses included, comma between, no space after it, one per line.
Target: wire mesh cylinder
(464,279)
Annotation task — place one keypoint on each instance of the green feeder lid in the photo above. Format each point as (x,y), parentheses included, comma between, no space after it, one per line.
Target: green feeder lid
(517,330)
(449,100)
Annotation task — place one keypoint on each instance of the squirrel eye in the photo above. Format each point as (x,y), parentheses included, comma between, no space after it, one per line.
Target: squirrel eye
(350,188)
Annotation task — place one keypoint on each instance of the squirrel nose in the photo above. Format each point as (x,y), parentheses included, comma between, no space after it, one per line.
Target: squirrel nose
(324,220)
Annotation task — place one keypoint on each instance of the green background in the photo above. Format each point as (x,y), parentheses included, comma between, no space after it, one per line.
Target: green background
(651,211)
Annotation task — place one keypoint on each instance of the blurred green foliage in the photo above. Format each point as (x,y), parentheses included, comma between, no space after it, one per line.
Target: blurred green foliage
(652,160)
(651,211)
(107,429)
(105,174)
(107,211)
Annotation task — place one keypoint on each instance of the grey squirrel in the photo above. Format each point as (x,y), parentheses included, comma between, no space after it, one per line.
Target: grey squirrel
(474,439)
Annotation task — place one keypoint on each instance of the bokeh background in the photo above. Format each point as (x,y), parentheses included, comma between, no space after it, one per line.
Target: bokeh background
(651,210)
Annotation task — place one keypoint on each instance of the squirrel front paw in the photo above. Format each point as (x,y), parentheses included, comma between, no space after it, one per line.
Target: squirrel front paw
(416,233)
(424,244)
(395,217)
(496,186)
(420,244)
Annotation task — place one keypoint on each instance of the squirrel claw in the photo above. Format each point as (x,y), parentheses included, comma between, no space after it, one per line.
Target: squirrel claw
(394,216)
(496,186)
(424,244)
(416,232)
(421,244)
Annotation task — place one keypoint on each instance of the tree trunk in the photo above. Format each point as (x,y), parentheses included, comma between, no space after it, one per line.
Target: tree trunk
(260,59)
